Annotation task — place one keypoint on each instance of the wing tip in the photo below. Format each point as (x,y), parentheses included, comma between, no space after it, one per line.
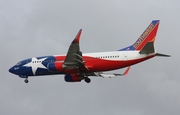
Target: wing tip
(127,71)
(77,38)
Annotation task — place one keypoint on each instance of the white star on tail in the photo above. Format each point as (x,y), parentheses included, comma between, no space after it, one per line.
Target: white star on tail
(35,64)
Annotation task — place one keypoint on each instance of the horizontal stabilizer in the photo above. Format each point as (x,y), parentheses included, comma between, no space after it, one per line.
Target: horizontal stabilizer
(148,48)
(162,55)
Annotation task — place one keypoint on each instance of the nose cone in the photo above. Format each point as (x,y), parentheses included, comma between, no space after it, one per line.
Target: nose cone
(11,70)
(14,70)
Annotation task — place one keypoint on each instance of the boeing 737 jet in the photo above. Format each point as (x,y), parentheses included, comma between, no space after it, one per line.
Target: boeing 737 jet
(77,66)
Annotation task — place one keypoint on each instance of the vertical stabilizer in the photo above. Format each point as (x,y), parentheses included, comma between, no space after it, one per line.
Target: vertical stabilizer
(149,35)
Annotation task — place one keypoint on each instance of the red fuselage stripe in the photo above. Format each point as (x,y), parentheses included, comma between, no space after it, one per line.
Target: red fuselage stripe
(98,64)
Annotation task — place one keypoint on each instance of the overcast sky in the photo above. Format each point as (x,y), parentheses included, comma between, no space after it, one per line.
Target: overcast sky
(30,28)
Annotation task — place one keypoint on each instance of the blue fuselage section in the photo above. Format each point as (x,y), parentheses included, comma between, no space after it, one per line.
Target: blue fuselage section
(30,67)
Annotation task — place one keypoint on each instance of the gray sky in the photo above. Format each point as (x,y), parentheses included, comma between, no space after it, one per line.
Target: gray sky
(37,28)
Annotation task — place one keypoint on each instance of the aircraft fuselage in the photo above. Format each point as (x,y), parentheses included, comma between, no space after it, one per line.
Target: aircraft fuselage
(96,62)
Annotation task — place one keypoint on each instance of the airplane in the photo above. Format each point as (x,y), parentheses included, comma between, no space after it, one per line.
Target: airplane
(77,66)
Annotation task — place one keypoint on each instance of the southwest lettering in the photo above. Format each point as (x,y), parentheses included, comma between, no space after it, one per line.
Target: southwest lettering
(143,36)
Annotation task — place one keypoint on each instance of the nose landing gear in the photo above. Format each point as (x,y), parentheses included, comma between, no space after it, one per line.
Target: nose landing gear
(24,76)
(26,80)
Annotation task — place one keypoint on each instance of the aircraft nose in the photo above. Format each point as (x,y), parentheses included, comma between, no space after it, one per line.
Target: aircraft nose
(11,70)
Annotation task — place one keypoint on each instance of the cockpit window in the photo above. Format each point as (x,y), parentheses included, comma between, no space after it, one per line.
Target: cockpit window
(19,63)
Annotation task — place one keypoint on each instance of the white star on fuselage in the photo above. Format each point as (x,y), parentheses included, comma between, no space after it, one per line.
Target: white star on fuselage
(35,64)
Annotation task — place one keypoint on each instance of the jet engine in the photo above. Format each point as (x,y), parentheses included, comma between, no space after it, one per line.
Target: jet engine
(72,78)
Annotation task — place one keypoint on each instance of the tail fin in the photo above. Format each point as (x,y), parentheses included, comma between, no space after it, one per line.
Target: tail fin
(149,35)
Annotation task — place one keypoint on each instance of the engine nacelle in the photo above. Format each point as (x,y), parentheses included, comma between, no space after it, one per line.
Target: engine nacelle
(72,78)
(55,66)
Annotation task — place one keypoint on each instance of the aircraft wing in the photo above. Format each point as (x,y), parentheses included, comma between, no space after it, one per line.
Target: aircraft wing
(109,75)
(74,55)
